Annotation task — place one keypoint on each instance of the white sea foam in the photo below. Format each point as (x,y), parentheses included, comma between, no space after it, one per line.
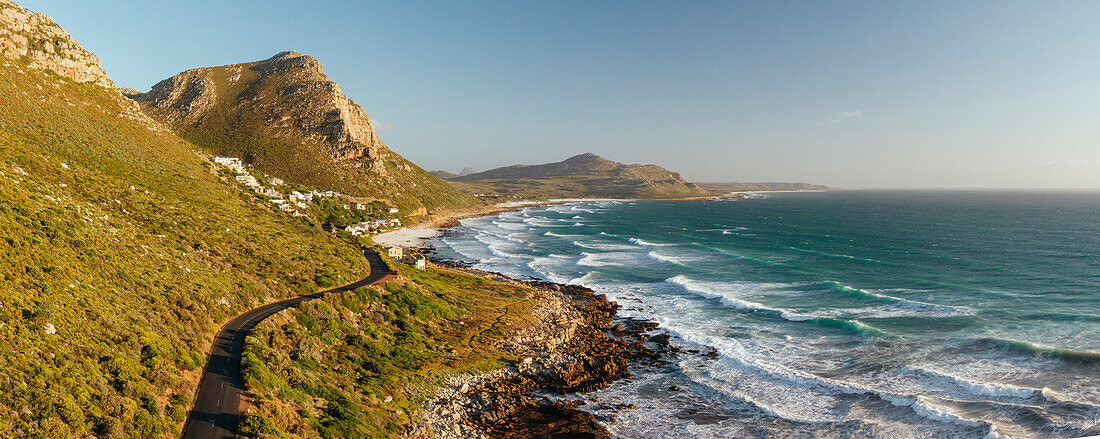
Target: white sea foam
(643,242)
(562,235)
(510,225)
(602,246)
(664,258)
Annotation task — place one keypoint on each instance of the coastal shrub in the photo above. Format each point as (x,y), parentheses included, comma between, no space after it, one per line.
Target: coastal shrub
(121,253)
(396,341)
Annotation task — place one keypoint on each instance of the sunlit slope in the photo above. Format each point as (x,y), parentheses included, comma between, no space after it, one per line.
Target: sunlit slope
(121,251)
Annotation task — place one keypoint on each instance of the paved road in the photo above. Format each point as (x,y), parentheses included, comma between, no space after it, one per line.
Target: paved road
(218,400)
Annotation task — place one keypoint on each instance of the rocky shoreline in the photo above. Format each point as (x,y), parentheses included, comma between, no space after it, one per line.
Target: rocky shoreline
(577,346)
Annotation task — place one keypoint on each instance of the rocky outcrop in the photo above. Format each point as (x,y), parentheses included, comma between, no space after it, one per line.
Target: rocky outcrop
(285,117)
(35,39)
(289,94)
(576,346)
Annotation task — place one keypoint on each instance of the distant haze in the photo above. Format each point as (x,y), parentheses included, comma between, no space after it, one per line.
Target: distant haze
(938,94)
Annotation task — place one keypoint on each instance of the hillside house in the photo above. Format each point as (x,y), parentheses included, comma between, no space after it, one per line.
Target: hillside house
(267,192)
(248,180)
(275,181)
(395,252)
(420,262)
(298,196)
(359,206)
(231,163)
(393,210)
(358,229)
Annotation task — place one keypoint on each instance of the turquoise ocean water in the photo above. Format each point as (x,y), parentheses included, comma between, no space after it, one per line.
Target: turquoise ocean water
(839,314)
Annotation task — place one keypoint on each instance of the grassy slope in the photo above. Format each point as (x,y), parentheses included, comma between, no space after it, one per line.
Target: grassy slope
(134,251)
(326,369)
(231,130)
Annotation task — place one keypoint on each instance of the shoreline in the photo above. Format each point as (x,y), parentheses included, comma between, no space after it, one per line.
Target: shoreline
(579,345)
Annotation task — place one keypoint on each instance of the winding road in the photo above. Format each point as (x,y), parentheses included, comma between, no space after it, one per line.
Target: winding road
(218,399)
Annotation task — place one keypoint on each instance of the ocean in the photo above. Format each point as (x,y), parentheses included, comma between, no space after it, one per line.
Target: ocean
(837,314)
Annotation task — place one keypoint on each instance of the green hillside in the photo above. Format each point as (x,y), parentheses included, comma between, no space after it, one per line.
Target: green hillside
(122,252)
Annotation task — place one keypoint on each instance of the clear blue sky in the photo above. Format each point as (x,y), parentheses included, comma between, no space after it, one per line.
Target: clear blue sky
(997,94)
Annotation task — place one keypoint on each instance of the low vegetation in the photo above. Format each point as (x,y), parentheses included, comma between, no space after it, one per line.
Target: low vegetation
(122,250)
(358,364)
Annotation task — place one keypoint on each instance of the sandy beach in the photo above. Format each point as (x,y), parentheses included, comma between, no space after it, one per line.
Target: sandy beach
(410,237)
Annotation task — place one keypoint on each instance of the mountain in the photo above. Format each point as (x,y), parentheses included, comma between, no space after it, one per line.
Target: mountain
(467,171)
(746,187)
(122,249)
(284,116)
(584,175)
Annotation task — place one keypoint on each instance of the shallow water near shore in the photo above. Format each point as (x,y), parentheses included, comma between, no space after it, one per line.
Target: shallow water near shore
(841,314)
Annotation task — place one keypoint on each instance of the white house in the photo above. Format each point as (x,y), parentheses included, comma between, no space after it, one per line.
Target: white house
(298,196)
(231,163)
(393,210)
(267,192)
(275,181)
(419,262)
(248,180)
(358,229)
(395,252)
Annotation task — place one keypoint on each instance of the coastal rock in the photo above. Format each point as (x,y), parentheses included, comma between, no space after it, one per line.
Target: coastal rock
(35,39)
(577,347)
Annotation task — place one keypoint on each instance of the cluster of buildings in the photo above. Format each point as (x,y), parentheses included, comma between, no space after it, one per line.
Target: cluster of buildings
(247,179)
(298,200)
(362,228)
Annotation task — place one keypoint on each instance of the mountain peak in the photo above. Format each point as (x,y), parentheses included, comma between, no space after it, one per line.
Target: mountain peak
(583,175)
(285,116)
(291,60)
(583,158)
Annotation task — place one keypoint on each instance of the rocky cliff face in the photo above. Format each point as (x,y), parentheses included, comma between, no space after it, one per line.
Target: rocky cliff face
(286,117)
(35,39)
(288,93)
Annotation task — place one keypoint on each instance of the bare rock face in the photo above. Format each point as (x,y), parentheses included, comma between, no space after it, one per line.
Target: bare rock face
(42,44)
(287,94)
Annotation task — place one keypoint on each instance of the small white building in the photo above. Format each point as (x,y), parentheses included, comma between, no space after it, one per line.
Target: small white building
(395,252)
(275,181)
(267,192)
(359,206)
(248,180)
(358,229)
(298,196)
(420,262)
(285,207)
(231,163)
(393,210)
